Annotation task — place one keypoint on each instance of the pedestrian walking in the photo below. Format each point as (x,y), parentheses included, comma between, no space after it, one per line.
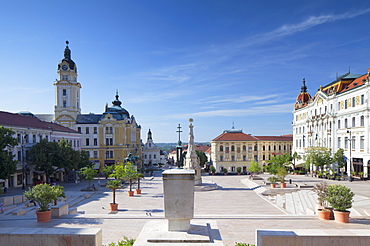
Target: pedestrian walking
(76,182)
(98,182)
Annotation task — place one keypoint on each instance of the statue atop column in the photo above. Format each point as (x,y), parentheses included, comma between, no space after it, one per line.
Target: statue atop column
(192,161)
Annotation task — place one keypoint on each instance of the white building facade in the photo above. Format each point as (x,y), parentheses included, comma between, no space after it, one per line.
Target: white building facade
(151,152)
(336,117)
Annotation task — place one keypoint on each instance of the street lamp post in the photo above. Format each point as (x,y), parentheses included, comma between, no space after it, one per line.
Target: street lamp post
(23,138)
(179,150)
(350,155)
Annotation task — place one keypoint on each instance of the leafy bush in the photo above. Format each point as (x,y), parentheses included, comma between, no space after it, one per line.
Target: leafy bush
(340,197)
(321,189)
(272,179)
(44,195)
(125,242)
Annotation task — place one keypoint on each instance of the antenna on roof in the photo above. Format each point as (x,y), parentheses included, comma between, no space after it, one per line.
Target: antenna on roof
(233,126)
(349,69)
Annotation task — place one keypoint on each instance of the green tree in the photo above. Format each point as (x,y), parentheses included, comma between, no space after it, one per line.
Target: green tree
(254,167)
(8,166)
(44,155)
(68,158)
(114,185)
(295,157)
(339,158)
(108,170)
(319,156)
(89,173)
(278,161)
(84,160)
(202,157)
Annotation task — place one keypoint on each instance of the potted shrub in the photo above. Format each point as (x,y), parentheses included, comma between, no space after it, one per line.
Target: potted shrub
(114,185)
(340,198)
(281,174)
(238,170)
(272,180)
(212,169)
(225,171)
(44,195)
(321,190)
(139,176)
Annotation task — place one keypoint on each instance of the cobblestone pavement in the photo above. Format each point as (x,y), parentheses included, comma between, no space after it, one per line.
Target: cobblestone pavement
(237,210)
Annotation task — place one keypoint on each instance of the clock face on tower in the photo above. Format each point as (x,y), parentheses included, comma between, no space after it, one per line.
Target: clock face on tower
(64,67)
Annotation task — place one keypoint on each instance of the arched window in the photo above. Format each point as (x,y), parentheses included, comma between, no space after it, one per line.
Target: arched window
(338,124)
(279,147)
(353,121)
(232,148)
(274,147)
(362,120)
(244,148)
(263,147)
(221,148)
(269,147)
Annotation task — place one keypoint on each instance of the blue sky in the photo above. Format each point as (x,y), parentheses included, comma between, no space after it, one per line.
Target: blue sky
(216,61)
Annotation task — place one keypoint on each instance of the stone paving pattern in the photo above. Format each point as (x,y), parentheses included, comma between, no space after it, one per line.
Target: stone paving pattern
(237,209)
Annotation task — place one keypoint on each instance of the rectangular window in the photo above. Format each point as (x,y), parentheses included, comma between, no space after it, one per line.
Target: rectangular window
(87,142)
(345,104)
(79,129)
(95,142)
(227,149)
(353,101)
(346,142)
(353,142)
(87,130)
(232,158)
(362,142)
(339,146)
(95,154)
(64,103)
(19,156)
(95,130)
(64,92)
(221,158)
(338,106)
(244,158)
(33,138)
(362,99)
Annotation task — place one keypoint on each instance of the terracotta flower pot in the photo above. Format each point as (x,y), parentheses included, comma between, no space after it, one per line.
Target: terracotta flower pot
(342,217)
(323,214)
(130,193)
(43,216)
(138,191)
(283,185)
(273,185)
(113,206)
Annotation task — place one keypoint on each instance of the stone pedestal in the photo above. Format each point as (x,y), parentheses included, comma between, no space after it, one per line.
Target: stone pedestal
(178,190)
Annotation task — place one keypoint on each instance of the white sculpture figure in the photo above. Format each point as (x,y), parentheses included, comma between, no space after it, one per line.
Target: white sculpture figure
(191,159)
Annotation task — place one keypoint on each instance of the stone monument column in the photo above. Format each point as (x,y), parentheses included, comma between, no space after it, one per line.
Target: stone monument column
(191,159)
(178,191)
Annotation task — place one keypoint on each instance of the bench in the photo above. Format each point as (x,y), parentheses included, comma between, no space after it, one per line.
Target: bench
(50,236)
(59,210)
(317,237)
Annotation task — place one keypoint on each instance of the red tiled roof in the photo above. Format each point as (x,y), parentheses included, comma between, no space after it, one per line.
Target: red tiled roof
(234,136)
(276,138)
(202,148)
(17,120)
(357,82)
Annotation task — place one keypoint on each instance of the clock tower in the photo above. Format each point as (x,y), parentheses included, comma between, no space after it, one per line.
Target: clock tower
(67,91)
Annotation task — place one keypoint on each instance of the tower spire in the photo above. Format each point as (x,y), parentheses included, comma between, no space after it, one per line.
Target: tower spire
(303,87)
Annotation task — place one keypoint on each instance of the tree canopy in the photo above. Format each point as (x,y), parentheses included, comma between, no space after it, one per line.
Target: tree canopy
(339,158)
(319,156)
(254,167)
(50,156)
(8,166)
(278,161)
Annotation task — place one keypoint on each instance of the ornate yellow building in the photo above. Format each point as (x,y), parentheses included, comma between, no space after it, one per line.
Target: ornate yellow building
(108,137)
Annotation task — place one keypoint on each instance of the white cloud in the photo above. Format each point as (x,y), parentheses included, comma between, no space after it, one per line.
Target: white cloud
(265,110)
